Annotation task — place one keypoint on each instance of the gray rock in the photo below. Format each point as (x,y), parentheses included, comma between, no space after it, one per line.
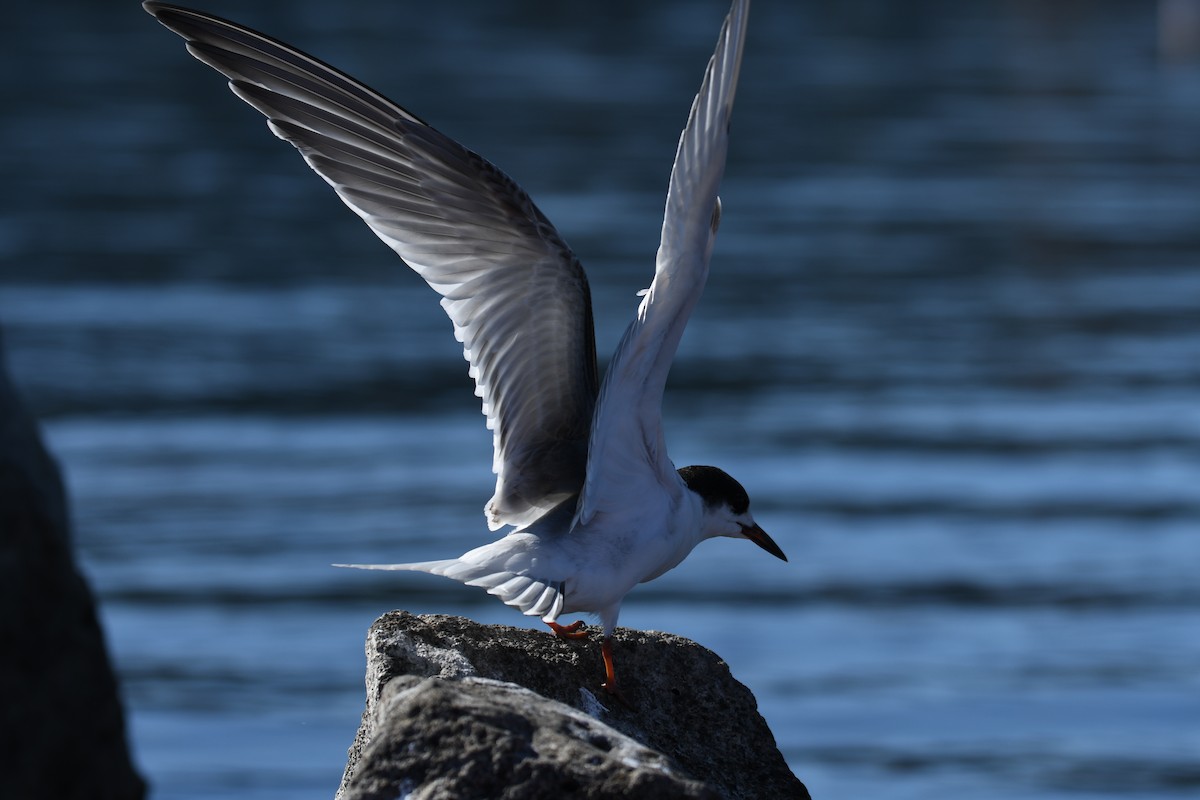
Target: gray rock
(458,709)
(62,729)
(473,737)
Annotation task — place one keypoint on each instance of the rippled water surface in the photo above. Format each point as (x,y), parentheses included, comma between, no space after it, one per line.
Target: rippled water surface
(951,345)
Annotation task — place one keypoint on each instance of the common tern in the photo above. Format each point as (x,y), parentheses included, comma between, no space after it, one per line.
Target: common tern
(582,473)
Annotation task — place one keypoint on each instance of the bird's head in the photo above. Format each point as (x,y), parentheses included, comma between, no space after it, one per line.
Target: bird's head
(726,507)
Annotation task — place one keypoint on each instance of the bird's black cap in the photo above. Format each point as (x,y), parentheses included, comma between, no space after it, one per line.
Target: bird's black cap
(715,486)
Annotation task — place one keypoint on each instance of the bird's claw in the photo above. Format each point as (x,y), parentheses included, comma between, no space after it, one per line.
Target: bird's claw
(610,675)
(572,631)
(615,693)
(577,630)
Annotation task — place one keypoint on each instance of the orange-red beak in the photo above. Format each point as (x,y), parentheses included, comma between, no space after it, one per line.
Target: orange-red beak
(760,538)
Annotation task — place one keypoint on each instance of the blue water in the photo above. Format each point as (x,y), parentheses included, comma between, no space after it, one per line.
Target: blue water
(951,345)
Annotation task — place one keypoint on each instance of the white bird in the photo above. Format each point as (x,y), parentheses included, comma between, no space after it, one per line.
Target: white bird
(582,471)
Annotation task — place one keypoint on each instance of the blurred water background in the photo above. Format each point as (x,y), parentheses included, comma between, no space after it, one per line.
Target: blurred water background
(951,345)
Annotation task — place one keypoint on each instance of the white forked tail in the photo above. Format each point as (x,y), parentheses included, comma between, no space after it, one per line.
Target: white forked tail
(533,597)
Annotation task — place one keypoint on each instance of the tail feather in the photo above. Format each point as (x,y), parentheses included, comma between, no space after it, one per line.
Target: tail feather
(432,567)
(532,596)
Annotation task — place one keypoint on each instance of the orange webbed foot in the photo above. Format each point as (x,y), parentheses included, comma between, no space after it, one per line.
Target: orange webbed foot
(572,631)
(615,693)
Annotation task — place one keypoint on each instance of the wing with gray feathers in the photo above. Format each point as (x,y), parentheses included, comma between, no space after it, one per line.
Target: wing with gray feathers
(515,292)
(627,446)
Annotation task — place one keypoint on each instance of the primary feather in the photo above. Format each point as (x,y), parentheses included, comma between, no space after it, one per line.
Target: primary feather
(517,295)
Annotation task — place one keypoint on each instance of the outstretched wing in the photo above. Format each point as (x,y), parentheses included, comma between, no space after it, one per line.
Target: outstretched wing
(627,446)
(515,292)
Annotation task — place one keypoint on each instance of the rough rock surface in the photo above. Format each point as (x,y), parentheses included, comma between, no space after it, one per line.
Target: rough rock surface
(479,738)
(444,718)
(62,730)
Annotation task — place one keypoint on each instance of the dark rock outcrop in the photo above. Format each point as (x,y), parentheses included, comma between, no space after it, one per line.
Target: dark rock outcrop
(456,709)
(62,729)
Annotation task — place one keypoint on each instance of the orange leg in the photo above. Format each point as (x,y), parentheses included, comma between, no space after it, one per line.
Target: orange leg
(610,674)
(571,631)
